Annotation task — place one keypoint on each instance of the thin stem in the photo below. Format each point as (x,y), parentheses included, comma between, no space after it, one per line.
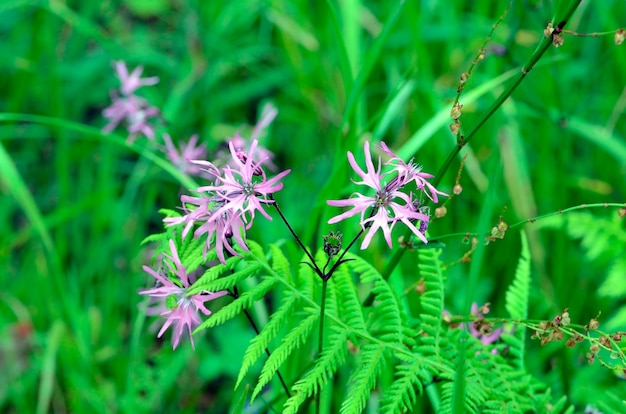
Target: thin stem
(235,294)
(320,345)
(532,220)
(302,246)
(543,46)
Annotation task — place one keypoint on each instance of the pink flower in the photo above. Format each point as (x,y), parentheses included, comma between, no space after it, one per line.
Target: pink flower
(411,172)
(131,82)
(180,310)
(386,211)
(267,116)
(244,190)
(188,152)
(220,229)
(133,110)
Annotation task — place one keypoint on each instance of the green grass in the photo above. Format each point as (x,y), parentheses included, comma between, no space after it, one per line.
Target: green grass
(75,204)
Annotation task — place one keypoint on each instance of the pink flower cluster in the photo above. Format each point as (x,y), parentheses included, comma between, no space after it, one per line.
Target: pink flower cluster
(388,205)
(226,208)
(134,111)
(179,309)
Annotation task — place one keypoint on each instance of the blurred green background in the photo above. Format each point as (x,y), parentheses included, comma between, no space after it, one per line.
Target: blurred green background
(74,205)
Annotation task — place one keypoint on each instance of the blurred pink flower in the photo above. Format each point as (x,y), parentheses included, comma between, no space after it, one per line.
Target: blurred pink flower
(386,211)
(180,310)
(268,114)
(188,152)
(128,108)
(133,81)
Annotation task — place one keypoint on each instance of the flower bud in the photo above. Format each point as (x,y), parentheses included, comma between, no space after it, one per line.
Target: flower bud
(455,113)
(455,127)
(619,36)
(558,40)
(547,32)
(441,211)
(332,244)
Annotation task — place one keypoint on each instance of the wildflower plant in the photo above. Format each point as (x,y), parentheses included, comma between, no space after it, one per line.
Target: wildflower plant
(334,316)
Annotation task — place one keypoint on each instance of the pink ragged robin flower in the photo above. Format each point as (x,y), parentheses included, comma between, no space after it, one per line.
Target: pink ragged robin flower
(180,310)
(221,229)
(188,152)
(268,114)
(128,108)
(245,188)
(410,171)
(388,206)
(133,81)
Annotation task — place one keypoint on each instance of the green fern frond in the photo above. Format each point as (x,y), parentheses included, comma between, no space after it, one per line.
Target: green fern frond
(351,310)
(190,252)
(474,396)
(260,342)
(280,263)
(333,356)
(363,378)
(431,301)
(598,235)
(296,337)
(245,301)
(613,286)
(517,294)
(402,395)
(213,281)
(306,279)
(387,321)
(516,302)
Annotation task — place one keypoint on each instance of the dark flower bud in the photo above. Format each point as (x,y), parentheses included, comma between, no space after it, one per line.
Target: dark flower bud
(332,243)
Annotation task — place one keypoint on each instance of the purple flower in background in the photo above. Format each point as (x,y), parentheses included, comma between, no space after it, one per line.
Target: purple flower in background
(389,204)
(133,81)
(180,310)
(128,108)
(482,329)
(268,114)
(188,152)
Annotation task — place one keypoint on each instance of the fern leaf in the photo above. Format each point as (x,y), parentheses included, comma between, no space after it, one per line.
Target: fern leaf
(516,302)
(363,378)
(296,337)
(387,321)
(334,355)
(260,342)
(234,308)
(432,300)
(475,392)
(212,281)
(351,310)
(402,395)
(280,263)
(517,294)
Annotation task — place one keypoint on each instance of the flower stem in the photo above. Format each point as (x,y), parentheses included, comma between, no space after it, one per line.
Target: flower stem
(320,345)
(302,246)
